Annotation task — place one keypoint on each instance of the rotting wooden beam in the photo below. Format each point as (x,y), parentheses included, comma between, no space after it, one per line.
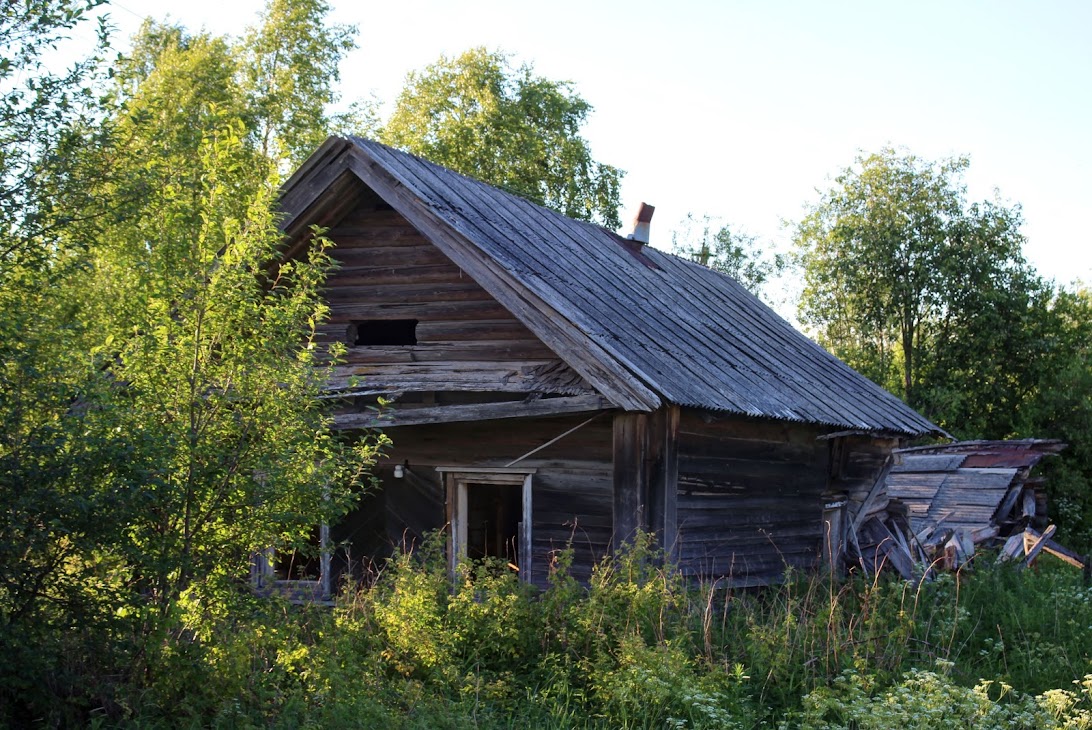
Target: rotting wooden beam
(878,486)
(1004,510)
(1038,544)
(1061,552)
(1022,545)
(396,416)
(311,179)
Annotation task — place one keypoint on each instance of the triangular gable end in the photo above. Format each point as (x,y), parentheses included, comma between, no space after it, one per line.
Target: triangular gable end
(360,203)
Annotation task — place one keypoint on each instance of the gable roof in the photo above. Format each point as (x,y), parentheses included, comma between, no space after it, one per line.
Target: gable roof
(641,325)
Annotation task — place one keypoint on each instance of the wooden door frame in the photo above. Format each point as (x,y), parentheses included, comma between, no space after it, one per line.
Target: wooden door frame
(456,481)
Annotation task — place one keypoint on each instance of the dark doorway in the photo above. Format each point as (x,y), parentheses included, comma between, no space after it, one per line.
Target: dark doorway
(493,515)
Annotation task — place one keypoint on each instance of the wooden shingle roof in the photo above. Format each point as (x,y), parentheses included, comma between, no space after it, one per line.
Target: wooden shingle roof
(642,326)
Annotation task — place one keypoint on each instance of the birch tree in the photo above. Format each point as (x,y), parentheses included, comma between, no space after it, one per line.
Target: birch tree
(479,115)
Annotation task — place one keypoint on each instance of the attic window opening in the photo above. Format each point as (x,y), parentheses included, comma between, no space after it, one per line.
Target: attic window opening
(383,332)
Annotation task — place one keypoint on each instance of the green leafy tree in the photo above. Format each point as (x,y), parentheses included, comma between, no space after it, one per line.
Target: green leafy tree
(506,126)
(171,94)
(291,70)
(203,330)
(157,385)
(740,255)
(931,297)
(891,252)
(1060,406)
(40,109)
(62,462)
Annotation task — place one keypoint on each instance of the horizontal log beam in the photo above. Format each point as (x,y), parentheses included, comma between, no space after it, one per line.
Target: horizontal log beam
(396,416)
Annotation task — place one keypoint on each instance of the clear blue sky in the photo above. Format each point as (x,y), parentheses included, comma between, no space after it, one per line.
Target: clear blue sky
(742,109)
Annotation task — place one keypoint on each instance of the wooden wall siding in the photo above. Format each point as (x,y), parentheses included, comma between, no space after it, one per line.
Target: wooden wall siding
(645,480)
(487,376)
(395,516)
(571,508)
(571,486)
(466,341)
(452,411)
(389,269)
(414,506)
(360,539)
(343,193)
(663,465)
(860,461)
(750,497)
(629,504)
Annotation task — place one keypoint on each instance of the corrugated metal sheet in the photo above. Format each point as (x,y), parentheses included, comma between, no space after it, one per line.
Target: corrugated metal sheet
(695,336)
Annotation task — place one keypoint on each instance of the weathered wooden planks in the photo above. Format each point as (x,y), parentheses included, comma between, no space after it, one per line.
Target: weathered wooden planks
(411,416)
(630,486)
(750,497)
(451,351)
(663,489)
(572,483)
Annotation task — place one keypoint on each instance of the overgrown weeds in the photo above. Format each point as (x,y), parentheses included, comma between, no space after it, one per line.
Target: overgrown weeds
(638,647)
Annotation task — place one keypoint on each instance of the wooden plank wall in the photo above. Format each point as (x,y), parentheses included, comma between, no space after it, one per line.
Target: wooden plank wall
(572,486)
(750,497)
(861,460)
(390,271)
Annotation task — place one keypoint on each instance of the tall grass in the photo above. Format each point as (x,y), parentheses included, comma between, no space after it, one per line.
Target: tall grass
(639,647)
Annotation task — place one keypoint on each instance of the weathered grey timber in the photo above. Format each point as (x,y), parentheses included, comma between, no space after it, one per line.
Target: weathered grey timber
(688,334)
(548,383)
(972,485)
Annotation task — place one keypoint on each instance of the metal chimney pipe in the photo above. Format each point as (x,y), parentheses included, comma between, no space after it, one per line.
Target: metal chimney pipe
(642,223)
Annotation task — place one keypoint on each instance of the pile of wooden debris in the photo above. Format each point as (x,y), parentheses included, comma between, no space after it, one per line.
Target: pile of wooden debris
(936,506)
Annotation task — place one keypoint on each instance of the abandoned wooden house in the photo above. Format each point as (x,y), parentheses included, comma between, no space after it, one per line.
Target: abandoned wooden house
(552,383)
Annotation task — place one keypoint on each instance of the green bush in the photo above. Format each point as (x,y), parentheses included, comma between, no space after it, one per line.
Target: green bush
(637,647)
(930,700)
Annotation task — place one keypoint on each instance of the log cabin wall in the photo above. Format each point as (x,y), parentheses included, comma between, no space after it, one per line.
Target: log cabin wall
(389,271)
(750,497)
(571,485)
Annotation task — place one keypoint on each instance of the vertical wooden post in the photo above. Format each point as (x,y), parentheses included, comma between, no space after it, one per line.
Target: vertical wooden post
(663,490)
(325,582)
(525,532)
(834,528)
(629,508)
(451,495)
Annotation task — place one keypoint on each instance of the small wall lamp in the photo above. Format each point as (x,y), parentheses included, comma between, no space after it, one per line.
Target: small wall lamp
(400,470)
